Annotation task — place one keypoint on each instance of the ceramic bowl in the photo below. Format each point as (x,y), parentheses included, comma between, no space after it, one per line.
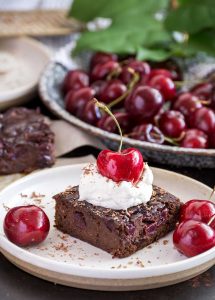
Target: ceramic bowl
(36,56)
(51,95)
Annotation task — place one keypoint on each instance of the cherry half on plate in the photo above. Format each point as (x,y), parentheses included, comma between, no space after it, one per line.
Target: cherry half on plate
(26,225)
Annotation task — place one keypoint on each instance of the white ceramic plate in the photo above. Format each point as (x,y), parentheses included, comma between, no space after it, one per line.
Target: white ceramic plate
(35,56)
(66,260)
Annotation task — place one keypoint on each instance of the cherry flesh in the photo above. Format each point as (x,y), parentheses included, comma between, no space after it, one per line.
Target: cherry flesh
(126,165)
(26,225)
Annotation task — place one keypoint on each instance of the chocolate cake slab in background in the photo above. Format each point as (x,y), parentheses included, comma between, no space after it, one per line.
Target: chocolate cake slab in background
(26,141)
(119,232)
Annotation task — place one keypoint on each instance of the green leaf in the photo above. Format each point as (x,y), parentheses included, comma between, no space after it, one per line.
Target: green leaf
(153,54)
(192,16)
(124,39)
(86,10)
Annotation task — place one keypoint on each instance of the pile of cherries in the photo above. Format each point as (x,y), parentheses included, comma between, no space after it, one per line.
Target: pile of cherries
(195,232)
(146,101)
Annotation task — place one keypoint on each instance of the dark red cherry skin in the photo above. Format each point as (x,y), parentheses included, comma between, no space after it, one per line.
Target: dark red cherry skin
(212,99)
(75,101)
(164,85)
(192,237)
(163,72)
(187,103)
(127,165)
(26,225)
(113,89)
(100,71)
(202,90)
(203,119)
(75,80)
(172,123)
(144,102)
(194,138)
(101,58)
(91,113)
(148,133)
(107,123)
(140,67)
(98,87)
(198,210)
(212,139)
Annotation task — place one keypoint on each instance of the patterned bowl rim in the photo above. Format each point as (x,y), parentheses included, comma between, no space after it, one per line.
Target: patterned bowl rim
(62,113)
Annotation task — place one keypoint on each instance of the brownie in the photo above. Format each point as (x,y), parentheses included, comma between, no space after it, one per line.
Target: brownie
(119,232)
(26,141)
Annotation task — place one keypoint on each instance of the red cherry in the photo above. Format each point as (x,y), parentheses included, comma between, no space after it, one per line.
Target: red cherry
(148,133)
(113,89)
(187,104)
(140,67)
(194,138)
(98,87)
(192,237)
(75,101)
(212,223)
(107,123)
(101,58)
(144,102)
(91,113)
(75,80)
(164,85)
(100,71)
(127,165)
(203,119)
(26,225)
(198,210)
(172,123)
(156,72)
(202,90)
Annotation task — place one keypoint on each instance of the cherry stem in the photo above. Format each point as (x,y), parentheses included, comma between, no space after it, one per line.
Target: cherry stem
(131,85)
(181,83)
(211,220)
(211,195)
(114,73)
(108,111)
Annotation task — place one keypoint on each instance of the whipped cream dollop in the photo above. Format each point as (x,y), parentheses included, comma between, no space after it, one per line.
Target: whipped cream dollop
(101,191)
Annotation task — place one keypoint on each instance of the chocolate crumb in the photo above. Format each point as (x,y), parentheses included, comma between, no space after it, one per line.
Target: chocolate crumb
(61,247)
(23,195)
(165,242)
